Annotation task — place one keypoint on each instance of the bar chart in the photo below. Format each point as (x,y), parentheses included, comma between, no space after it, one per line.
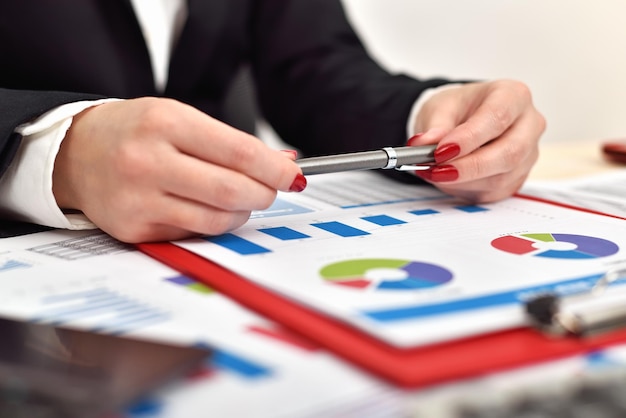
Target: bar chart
(339,229)
(100,309)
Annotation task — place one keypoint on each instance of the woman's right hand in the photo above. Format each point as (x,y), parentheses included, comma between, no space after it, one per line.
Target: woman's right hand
(153,169)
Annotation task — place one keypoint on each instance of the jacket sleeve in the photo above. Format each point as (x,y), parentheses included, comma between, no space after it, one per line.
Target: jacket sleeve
(317,84)
(20,106)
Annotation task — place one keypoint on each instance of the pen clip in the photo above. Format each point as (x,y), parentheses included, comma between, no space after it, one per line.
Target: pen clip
(581,314)
(411,167)
(392,161)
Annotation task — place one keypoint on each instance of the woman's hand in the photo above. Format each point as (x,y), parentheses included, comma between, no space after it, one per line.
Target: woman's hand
(155,169)
(487,135)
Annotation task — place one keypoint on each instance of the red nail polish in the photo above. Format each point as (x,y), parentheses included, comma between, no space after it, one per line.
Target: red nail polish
(424,174)
(412,139)
(299,183)
(446,152)
(444,173)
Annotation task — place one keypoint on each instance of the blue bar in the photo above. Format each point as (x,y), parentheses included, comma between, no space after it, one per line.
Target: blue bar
(340,229)
(420,212)
(284,233)
(150,407)
(13,264)
(228,361)
(280,208)
(471,208)
(237,244)
(518,296)
(383,220)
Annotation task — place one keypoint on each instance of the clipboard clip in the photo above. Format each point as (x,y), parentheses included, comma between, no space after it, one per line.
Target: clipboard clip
(581,314)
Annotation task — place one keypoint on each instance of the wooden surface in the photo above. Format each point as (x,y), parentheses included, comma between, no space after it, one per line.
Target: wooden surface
(566,160)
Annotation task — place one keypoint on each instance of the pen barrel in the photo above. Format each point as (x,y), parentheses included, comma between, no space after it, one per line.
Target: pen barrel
(415,155)
(591,315)
(367,160)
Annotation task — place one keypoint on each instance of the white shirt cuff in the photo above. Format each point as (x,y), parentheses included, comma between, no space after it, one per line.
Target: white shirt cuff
(26,187)
(417,106)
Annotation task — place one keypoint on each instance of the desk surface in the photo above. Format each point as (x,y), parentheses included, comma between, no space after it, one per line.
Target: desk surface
(564,160)
(259,367)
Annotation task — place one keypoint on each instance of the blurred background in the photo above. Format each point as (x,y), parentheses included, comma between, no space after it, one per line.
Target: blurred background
(572,53)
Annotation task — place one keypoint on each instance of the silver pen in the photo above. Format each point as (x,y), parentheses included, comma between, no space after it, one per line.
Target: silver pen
(399,158)
(581,314)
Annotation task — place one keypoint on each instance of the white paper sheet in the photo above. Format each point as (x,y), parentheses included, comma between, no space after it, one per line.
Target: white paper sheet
(411,265)
(89,281)
(604,193)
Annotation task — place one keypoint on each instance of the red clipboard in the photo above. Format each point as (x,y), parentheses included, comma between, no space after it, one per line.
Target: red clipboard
(404,367)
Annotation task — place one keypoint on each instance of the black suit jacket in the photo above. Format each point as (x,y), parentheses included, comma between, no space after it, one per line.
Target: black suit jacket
(315,82)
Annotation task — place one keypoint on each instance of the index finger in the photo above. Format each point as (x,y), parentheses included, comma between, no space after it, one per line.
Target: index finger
(215,142)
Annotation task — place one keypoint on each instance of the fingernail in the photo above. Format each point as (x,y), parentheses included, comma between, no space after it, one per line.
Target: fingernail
(424,174)
(292,152)
(444,173)
(446,152)
(414,138)
(299,183)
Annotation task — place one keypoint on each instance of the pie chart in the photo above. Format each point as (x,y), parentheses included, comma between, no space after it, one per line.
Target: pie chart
(385,274)
(556,245)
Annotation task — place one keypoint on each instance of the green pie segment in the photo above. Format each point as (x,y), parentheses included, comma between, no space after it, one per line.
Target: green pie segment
(401,275)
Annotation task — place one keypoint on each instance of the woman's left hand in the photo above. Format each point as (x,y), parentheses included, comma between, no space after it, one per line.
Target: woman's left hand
(487,137)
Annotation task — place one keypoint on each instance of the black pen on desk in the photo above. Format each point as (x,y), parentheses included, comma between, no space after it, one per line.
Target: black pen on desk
(399,158)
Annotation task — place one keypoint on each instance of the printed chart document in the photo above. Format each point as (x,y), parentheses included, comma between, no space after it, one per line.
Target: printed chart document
(90,281)
(411,265)
(604,192)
